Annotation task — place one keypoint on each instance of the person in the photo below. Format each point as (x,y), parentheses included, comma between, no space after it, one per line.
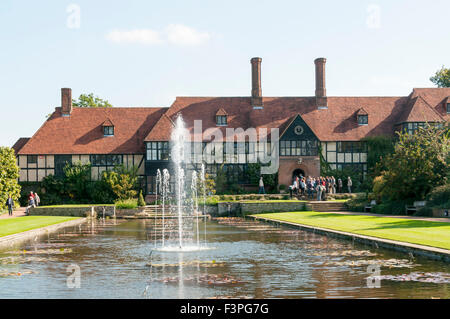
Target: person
(295,186)
(37,200)
(349,184)
(333,185)
(302,186)
(340,185)
(261,186)
(319,191)
(31,203)
(290,191)
(10,204)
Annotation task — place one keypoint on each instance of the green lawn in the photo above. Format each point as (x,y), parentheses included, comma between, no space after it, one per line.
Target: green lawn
(20,224)
(264,201)
(435,234)
(74,205)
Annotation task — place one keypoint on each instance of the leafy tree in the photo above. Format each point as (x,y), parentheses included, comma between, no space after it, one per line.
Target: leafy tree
(441,78)
(221,180)
(122,181)
(89,100)
(77,178)
(9,173)
(210,186)
(417,165)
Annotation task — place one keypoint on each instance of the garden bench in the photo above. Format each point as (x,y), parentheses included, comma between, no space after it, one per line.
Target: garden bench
(368,207)
(415,207)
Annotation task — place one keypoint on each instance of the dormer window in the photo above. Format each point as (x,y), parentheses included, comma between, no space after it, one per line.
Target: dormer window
(221,120)
(108,128)
(363,117)
(221,117)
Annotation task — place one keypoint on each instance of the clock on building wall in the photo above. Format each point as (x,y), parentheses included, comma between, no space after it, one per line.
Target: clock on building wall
(298,130)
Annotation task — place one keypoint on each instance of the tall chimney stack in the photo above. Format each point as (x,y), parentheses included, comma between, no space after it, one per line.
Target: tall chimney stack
(66,101)
(256,83)
(321,92)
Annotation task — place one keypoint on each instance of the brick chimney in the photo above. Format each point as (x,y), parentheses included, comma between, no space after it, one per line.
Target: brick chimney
(256,83)
(321,92)
(66,101)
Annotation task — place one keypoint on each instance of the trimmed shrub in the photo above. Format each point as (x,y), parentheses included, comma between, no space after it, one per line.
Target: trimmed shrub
(126,204)
(141,201)
(357,203)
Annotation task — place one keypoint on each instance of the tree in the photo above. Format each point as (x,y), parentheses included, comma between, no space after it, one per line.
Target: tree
(77,178)
(89,100)
(9,173)
(122,181)
(441,78)
(418,164)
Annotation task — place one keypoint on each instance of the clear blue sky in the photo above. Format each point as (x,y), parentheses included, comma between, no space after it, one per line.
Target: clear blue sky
(145,53)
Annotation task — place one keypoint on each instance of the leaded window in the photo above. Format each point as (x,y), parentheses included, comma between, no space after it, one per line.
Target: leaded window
(363,119)
(298,148)
(158,151)
(106,160)
(351,147)
(221,120)
(108,130)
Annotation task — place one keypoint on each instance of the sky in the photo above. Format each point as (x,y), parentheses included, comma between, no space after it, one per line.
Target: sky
(145,53)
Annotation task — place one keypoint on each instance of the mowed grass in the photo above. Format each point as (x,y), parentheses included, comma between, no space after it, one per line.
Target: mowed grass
(435,234)
(11,226)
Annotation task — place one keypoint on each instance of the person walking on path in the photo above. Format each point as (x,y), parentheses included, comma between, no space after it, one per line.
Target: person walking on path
(10,204)
(261,186)
(349,184)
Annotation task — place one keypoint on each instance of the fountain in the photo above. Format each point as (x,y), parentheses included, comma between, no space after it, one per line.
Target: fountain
(184,210)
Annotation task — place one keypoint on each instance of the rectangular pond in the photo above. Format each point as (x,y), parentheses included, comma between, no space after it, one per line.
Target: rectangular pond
(246,259)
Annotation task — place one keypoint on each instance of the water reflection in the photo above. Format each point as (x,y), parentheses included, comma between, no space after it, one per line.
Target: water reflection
(250,260)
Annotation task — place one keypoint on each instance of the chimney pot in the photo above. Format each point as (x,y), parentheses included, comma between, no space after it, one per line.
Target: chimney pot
(321,92)
(256,83)
(66,101)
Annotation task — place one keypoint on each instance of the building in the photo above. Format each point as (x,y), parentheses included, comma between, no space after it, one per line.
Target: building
(307,126)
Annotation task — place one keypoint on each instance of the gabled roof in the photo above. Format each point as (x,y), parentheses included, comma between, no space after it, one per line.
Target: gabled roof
(20,143)
(435,97)
(108,122)
(221,111)
(418,110)
(162,130)
(361,111)
(336,123)
(81,132)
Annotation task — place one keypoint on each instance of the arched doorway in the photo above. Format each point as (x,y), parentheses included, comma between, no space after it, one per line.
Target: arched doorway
(298,172)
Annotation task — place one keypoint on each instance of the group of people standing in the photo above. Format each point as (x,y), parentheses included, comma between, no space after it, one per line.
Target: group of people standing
(319,186)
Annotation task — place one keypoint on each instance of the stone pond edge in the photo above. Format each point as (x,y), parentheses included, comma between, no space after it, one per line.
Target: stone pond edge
(415,249)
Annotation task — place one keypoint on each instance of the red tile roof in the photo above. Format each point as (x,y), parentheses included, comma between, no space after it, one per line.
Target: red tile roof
(20,144)
(337,123)
(81,132)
